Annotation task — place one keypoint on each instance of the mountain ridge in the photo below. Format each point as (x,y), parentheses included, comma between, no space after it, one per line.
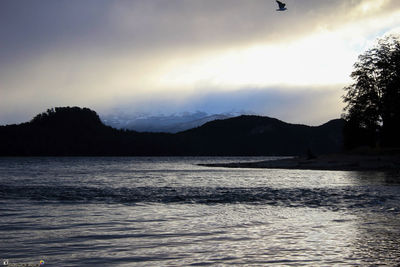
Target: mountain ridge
(74,131)
(173,123)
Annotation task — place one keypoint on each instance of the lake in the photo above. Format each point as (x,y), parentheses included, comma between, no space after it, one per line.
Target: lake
(169,211)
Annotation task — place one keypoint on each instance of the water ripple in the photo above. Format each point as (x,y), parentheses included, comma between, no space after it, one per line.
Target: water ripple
(333,198)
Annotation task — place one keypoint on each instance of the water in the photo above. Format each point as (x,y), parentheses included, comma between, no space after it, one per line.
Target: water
(171,212)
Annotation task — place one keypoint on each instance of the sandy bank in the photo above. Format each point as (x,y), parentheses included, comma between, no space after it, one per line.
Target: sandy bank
(345,162)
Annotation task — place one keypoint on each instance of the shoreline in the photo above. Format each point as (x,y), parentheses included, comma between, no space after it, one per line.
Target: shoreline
(333,162)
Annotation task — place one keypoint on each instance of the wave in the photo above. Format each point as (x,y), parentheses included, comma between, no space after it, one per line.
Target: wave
(333,198)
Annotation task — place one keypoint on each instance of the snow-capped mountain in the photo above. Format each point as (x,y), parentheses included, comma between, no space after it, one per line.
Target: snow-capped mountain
(162,123)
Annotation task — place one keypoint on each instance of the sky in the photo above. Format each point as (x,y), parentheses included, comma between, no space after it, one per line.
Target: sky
(170,56)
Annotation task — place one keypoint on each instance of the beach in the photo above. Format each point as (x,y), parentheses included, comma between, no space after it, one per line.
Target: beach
(334,162)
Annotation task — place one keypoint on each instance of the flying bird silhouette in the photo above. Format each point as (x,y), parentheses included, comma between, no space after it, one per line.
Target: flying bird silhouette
(281,6)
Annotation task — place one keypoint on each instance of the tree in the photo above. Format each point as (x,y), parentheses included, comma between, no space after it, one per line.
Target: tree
(373,100)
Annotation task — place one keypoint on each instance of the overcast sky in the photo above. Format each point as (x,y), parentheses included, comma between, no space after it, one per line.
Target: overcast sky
(165,56)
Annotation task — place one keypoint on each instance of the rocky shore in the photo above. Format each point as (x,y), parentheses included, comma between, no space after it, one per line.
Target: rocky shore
(345,162)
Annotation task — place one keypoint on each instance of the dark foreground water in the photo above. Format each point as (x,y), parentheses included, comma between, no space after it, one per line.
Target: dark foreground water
(170,212)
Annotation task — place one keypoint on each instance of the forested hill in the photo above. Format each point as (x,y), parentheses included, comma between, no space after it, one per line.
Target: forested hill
(73,131)
(256,135)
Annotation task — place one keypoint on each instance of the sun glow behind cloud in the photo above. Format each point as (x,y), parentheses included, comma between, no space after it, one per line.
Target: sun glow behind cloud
(312,61)
(324,57)
(371,6)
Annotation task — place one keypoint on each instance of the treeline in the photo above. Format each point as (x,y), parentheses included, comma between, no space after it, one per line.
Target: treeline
(372,113)
(74,131)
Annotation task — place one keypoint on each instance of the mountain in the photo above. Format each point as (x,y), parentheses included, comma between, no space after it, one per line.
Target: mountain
(161,123)
(73,131)
(256,135)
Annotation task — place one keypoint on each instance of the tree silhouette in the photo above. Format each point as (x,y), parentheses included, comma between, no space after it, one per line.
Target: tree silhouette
(74,131)
(373,100)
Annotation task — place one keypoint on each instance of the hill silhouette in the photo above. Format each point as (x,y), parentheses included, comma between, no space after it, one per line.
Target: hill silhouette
(74,131)
(256,135)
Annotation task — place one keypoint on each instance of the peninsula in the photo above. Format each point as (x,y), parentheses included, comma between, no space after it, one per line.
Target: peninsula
(370,161)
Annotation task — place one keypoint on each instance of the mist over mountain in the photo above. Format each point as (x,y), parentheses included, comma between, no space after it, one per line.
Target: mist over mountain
(171,123)
(74,131)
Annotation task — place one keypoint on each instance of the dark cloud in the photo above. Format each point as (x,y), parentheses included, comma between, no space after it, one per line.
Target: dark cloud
(32,27)
(63,52)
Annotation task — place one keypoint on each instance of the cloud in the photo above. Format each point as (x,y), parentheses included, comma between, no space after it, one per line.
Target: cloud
(99,53)
(311,106)
(176,24)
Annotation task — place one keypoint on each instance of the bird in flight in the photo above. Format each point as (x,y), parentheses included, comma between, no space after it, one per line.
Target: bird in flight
(281,6)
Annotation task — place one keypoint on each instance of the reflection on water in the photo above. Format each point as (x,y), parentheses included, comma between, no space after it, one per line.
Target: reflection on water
(168,211)
(377,239)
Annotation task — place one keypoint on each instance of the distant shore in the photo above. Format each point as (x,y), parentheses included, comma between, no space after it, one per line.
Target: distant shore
(334,162)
